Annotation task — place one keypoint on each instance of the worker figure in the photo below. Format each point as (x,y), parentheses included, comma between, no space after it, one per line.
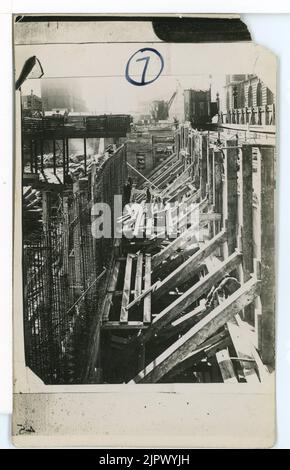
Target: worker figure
(148,195)
(127,191)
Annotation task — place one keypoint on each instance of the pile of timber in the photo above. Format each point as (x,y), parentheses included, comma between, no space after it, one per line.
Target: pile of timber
(121,290)
(202,328)
(170,181)
(32,212)
(155,221)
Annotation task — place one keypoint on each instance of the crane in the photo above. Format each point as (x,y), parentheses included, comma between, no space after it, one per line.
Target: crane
(160,108)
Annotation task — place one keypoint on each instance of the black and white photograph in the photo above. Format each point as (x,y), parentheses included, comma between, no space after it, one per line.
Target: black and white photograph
(147,173)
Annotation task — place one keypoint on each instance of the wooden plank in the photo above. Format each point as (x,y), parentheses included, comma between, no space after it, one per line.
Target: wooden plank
(203,164)
(197,311)
(169,222)
(149,222)
(182,324)
(164,171)
(176,244)
(193,214)
(232,198)
(247,212)
(138,279)
(210,217)
(182,239)
(131,325)
(244,351)
(180,223)
(107,307)
(177,182)
(147,284)
(188,268)
(166,175)
(199,333)
(246,221)
(177,195)
(267,201)
(173,174)
(263,372)
(159,169)
(137,229)
(206,349)
(192,295)
(226,366)
(141,356)
(114,277)
(126,290)
(193,198)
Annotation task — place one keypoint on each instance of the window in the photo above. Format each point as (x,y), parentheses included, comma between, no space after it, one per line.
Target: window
(140,161)
(235,97)
(270,97)
(202,108)
(250,96)
(228,100)
(259,94)
(242,96)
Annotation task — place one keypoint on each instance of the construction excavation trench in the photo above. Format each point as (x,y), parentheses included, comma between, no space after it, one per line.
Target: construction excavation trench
(177,296)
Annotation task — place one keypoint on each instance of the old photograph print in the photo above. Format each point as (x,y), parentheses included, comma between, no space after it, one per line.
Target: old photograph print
(147,215)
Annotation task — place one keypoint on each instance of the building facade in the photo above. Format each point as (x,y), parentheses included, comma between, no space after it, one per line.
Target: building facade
(31,104)
(60,94)
(248,100)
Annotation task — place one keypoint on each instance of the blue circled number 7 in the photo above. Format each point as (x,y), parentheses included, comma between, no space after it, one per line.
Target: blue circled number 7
(147,58)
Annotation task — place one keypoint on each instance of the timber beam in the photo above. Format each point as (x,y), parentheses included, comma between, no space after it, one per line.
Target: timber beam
(205,328)
(176,308)
(184,271)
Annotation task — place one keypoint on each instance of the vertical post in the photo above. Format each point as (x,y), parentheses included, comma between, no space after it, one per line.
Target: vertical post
(41,156)
(85,155)
(63,162)
(247,210)
(66,233)
(67,157)
(245,219)
(35,156)
(203,165)
(210,175)
(141,357)
(196,153)
(231,164)
(54,158)
(77,239)
(267,154)
(48,279)
(66,247)
(31,156)
(93,200)
(207,165)
(225,199)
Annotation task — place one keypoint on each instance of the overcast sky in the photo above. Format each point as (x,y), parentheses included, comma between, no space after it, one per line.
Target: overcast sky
(100,69)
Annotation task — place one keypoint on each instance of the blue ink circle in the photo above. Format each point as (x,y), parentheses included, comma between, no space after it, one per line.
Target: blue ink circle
(143,82)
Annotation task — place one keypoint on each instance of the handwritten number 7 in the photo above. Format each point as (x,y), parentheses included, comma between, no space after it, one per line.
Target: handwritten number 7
(145,68)
(143,80)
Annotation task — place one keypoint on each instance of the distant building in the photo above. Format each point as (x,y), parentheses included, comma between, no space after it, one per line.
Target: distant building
(61,94)
(159,110)
(147,147)
(198,107)
(31,104)
(247,101)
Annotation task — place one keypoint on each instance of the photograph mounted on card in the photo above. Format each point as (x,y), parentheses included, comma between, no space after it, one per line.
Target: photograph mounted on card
(144,260)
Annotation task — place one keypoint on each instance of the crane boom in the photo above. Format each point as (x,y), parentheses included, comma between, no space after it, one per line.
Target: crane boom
(170,101)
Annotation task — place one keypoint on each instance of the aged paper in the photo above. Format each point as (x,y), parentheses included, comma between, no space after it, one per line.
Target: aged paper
(144,248)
